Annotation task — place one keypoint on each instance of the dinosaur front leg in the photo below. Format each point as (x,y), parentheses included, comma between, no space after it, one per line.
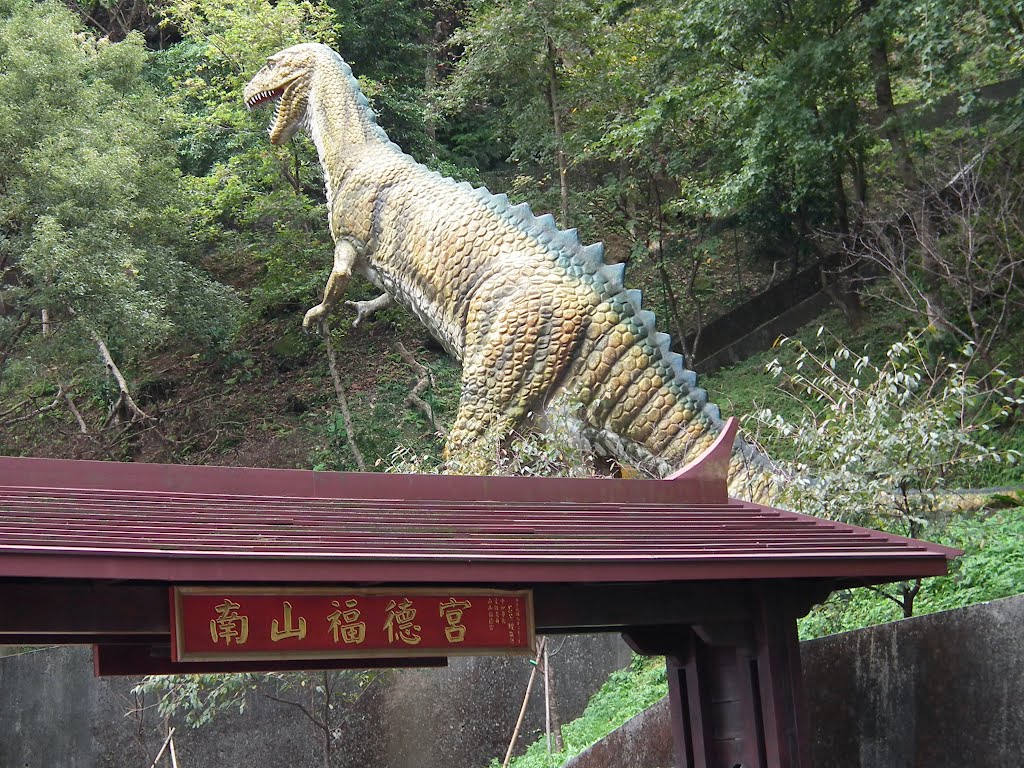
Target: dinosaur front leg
(365,309)
(345,256)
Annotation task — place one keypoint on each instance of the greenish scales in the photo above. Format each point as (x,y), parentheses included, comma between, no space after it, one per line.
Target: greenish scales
(541,324)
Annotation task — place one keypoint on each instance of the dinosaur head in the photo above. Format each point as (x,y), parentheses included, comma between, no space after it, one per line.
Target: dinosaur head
(285,80)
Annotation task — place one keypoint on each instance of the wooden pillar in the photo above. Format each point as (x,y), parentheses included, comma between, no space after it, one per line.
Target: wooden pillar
(781,681)
(735,690)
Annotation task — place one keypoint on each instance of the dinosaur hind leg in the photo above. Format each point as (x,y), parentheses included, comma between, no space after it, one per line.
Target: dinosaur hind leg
(519,354)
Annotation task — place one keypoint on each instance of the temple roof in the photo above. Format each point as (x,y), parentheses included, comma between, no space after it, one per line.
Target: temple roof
(187,524)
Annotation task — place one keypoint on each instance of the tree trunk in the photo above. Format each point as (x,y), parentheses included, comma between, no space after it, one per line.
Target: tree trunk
(339,389)
(910,591)
(892,130)
(551,692)
(125,408)
(838,268)
(430,45)
(556,120)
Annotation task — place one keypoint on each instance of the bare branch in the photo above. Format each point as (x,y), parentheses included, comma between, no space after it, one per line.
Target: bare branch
(887,596)
(346,415)
(424,380)
(299,705)
(78,416)
(124,408)
(38,411)
(952,250)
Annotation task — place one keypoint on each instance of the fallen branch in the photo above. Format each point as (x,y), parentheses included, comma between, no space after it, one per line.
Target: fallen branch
(38,411)
(78,416)
(342,400)
(124,408)
(424,380)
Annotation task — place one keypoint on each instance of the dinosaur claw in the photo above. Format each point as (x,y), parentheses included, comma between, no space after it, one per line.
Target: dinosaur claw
(365,309)
(360,312)
(313,322)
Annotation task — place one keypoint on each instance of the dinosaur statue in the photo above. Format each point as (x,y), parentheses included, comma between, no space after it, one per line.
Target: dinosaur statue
(536,318)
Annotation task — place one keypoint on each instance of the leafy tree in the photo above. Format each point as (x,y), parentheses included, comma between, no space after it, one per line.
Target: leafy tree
(881,443)
(323,698)
(90,216)
(991,567)
(523,81)
(248,204)
(970,229)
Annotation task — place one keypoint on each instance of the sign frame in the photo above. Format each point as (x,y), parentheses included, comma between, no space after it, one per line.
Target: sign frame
(179,653)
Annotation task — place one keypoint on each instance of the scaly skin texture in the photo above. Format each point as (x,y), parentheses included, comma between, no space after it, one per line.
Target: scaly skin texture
(535,317)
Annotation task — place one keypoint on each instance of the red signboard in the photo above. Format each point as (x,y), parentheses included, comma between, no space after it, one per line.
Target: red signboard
(223,623)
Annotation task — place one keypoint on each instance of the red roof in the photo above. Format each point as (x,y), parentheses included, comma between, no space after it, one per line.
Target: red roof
(173,523)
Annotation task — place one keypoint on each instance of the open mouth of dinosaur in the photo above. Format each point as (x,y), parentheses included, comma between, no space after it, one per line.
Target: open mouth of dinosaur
(264,97)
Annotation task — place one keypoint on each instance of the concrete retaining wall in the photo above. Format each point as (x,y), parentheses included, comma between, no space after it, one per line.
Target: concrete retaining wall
(938,691)
(55,714)
(942,691)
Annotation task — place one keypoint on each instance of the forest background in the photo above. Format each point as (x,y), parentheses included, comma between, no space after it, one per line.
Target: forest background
(157,254)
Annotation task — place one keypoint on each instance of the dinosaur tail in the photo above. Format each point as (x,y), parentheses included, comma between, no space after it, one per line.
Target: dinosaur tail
(643,406)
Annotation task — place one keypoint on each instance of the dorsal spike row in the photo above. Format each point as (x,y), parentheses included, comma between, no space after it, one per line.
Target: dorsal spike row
(675,360)
(593,254)
(568,240)
(521,211)
(646,318)
(613,274)
(498,203)
(546,221)
(713,412)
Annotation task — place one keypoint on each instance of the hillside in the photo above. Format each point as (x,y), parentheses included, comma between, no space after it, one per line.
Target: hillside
(156,252)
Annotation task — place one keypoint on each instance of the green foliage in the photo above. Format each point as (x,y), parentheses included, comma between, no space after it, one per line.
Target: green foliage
(389,432)
(512,80)
(199,699)
(991,567)
(90,219)
(249,207)
(625,694)
(558,450)
(878,442)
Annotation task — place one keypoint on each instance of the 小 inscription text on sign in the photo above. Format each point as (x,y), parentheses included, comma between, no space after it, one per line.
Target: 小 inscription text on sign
(219,623)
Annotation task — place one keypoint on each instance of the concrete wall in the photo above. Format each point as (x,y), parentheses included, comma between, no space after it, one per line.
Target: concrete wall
(55,714)
(942,691)
(785,323)
(939,691)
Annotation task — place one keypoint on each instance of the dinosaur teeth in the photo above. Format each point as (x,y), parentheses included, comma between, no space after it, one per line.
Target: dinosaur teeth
(260,98)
